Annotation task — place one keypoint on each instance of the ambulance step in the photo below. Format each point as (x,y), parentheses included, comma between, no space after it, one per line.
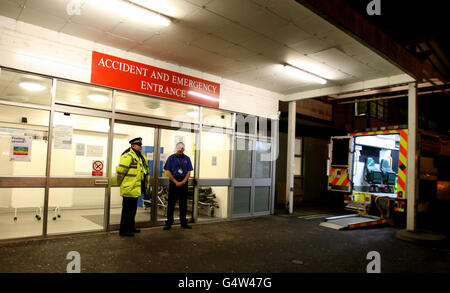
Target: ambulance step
(351,222)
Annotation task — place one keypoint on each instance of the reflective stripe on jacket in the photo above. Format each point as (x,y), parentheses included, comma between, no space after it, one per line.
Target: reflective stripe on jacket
(130,172)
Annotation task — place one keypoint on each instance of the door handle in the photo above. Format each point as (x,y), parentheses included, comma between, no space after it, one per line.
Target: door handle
(101,181)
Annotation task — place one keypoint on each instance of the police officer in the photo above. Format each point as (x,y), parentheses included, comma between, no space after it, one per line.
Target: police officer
(133,176)
(178,168)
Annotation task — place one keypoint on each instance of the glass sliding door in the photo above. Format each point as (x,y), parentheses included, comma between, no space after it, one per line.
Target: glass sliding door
(262,180)
(215,175)
(168,139)
(123,133)
(252,177)
(24,123)
(78,173)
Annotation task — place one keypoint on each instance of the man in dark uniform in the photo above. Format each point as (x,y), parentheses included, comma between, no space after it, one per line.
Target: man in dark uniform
(178,168)
(133,176)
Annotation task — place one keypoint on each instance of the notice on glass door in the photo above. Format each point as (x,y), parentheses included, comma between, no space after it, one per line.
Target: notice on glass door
(63,137)
(21,148)
(94,151)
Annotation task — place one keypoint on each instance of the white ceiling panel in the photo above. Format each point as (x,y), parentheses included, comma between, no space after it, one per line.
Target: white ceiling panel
(117,41)
(163,43)
(249,64)
(204,21)
(247,14)
(243,40)
(315,25)
(10,9)
(237,53)
(287,9)
(212,44)
(181,33)
(339,60)
(316,67)
(134,31)
(262,45)
(58,8)
(235,33)
(310,46)
(336,38)
(199,2)
(288,34)
(90,16)
(153,51)
(176,9)
(48,21)
(365,56)
(82,31)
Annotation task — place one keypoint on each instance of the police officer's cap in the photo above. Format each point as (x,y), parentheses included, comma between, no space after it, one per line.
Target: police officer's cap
(137,140)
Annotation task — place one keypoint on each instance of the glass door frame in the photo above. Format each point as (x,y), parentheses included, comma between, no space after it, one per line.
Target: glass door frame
(253,181)
(47,181)
(78,182)
(156,181)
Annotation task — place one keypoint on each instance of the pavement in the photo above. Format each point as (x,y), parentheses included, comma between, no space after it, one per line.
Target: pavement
(269,244)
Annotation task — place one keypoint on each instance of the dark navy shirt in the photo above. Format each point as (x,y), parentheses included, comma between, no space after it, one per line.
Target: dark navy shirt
(175,163)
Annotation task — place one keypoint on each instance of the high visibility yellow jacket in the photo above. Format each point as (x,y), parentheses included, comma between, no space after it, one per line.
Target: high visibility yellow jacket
(130,172)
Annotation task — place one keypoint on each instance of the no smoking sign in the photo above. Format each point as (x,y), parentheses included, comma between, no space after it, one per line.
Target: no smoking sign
(97,168)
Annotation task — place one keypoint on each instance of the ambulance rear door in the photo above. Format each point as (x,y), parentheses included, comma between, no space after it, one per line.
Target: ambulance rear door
(340,154)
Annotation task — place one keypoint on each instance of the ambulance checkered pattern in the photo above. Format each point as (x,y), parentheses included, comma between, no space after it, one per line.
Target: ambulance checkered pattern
(338,177)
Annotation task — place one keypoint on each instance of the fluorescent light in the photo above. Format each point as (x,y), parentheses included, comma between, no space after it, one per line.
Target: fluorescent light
(193,93)
(302,74)
(130,10)
(98,98)
(158,6)
(32,86)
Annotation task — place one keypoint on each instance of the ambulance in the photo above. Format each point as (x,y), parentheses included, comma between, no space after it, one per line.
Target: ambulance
(369,168)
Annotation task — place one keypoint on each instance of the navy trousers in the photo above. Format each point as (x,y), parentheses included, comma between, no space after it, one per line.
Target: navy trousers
(127,220)
(180,194)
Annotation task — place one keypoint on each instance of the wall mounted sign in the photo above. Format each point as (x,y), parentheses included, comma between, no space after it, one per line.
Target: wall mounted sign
(128,75)
(97,168)
(21,148)
(63,137)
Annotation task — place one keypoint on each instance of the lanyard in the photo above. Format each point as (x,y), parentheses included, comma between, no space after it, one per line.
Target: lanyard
(181,164)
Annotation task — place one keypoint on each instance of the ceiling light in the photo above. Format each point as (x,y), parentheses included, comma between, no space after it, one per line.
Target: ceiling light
(158,6)
(193,93)
(32,86)
(304,75)
(128,9)
(192,114)
(98,98)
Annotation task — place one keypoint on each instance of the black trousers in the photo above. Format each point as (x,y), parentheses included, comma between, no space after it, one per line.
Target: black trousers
(181,194)
(129,208)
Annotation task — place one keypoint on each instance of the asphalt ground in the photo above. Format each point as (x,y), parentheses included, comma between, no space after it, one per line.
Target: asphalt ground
(262,245)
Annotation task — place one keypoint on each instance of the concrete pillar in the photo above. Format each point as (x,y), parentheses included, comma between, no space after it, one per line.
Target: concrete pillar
(412,184)
(290,157)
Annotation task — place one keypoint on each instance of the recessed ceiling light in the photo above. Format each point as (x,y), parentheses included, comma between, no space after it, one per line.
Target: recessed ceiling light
(200,95)
(192,114)
(32,86)
(99,98)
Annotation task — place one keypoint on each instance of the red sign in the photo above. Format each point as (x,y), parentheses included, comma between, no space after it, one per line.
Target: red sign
(128,75)
(97,168)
